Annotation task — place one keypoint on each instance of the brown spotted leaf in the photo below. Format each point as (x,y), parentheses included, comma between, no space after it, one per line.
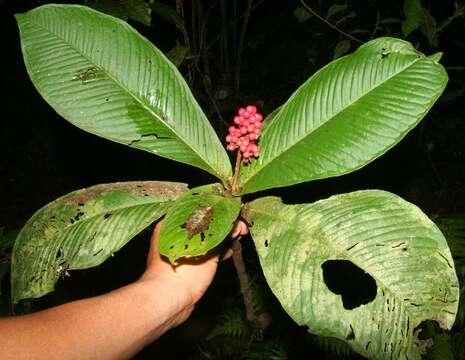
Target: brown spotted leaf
(197,222)
(395,266)
(82,229)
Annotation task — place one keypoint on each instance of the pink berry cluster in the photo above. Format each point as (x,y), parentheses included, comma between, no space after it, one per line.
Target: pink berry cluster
(245,133)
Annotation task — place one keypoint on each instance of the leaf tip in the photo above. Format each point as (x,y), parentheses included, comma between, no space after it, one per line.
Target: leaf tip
(436,57)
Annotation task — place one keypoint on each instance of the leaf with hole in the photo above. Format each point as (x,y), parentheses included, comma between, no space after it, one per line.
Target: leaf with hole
(346,115)
(82,229)
(400,259)
(197,222)
(101,75)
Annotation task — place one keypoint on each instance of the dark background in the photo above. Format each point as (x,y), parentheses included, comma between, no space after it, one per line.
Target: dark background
(43,156)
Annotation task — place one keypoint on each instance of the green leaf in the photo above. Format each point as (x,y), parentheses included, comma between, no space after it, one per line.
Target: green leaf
(413,11)
(388,239)
(101,75)
(453,228)
(82,229)
(270,117)
(168,13)
(419,17)
(302,14)
(197,222)
(137,10)
(346,115)
(341,48)
(335,9)
(177,55)
(7,240)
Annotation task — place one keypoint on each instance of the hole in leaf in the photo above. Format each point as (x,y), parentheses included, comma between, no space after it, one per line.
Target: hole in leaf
(351,335)
(266,243)
(355,286)
(423,335)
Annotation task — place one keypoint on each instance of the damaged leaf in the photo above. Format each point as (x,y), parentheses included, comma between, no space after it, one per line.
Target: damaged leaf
(82,229)
(391,241)
(107,79)
(197,222)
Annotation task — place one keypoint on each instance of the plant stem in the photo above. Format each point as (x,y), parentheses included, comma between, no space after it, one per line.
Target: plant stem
(237,169)
(240,47)
(311,11)
(244,281)
(459,12)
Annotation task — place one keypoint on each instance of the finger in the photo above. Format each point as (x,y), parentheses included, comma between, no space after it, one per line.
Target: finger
(227,255)
(240,228)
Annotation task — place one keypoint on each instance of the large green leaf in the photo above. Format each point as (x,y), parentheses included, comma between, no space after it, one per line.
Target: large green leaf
(101,75)
(82,229)
(197,222)
(404,254)
(346,115)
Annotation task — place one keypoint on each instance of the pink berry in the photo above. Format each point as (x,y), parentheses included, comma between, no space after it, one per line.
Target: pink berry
(228,138)
(251,109)
(253,148)
(258,117)
(242,111)
(237,120)
(243,130)
(246,154)
(258,125)
(256,153)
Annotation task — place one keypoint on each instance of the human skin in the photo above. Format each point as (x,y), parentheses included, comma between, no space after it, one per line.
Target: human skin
(120,323)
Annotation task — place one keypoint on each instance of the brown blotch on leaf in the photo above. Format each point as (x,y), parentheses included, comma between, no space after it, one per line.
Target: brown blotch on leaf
(198,221)
(147,188)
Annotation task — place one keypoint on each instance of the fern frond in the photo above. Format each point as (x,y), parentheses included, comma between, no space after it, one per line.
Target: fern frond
(232,322)
(334,346)
(271,350)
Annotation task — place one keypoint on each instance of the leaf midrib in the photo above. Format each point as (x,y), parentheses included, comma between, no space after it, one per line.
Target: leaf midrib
(272,160)
(125,89)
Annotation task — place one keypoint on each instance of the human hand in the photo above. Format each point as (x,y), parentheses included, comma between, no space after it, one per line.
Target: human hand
(187,282)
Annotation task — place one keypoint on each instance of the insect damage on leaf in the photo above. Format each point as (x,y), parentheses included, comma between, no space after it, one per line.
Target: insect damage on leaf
(198,221)
(86,75)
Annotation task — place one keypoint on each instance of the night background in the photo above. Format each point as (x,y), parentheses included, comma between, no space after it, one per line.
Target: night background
(44,157)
